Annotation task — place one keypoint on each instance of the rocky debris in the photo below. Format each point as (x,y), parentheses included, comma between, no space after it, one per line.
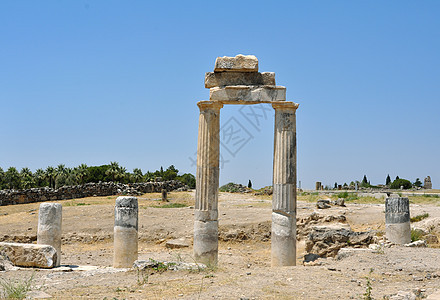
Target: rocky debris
(9,197)
(323,204)
(310,257)
(431,239)
(30,255)
(429,225)
(239,63)
(419,243)
(177,243)
(5,263)
(346,252)
(235,188)
(304,225)
(156,265)
(268,190)
(326,241)
(256,232)
(339,202)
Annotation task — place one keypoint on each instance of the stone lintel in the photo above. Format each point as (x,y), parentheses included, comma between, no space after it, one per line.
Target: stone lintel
(221,79)
(239,63)
(246,93)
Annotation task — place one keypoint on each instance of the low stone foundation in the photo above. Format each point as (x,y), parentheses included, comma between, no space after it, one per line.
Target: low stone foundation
(11,197)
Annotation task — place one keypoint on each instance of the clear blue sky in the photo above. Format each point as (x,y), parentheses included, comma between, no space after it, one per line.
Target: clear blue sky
(99,81)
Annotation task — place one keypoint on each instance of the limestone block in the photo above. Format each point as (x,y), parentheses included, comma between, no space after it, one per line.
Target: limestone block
(239,63)
(30,255)
(247,94)
(213,79)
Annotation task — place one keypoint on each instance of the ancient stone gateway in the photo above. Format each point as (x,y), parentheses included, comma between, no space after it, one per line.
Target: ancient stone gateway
(236,80)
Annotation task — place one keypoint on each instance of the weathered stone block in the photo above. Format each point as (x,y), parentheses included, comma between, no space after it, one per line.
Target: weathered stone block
(247,94)
(213,79)
(239,63)
(30,255)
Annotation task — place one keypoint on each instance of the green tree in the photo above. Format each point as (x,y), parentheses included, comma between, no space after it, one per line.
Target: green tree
(26,179)
(82,171)
(50,175)
(137,175)
(388,180)
(40,178)
(417,183)
(188,179)
(12,178)
(406,184)
(2,178)
(116,172)
(250,184)
(170,173)
(364,182)
(397,177)
(61,174)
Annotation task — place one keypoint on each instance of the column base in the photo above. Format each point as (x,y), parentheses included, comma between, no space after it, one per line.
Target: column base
(283,240)
(399,233)
(125,247)
(206,242)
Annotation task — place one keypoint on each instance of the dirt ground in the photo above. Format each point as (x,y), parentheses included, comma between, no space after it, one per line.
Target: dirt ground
(244,270)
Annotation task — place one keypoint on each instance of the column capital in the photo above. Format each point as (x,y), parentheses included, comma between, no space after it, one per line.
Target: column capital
(204,105)
(285,105)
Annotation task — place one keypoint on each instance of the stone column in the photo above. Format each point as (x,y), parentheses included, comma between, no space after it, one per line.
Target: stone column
(125,232)
(284,186)
(206,207)
(49,227)
(397,220)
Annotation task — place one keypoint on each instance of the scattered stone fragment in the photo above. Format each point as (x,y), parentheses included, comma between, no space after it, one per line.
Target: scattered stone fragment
(419,243)
(310,257)
(239,63)
(37,295)
(177,243)
(323,204)
(30,255)
(431,239)
(339,202)
(169,265)
(346,252)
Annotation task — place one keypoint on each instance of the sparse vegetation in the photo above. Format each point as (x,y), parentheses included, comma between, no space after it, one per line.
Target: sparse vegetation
(16,289)
(418,218)
(416,235)
(369,288)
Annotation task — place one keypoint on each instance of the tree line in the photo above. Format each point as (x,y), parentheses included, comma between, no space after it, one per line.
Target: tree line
(61,175)
(396,184)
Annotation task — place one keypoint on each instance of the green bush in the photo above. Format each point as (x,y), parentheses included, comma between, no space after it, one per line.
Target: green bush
(401,182)
(418,218)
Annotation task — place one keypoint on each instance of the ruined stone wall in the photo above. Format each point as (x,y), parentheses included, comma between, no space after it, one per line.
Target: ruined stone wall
(10,197)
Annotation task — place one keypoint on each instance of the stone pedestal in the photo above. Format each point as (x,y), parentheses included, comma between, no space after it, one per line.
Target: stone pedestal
(206,207)
(284,186)
(397,220)
(125,232)
(49,227)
